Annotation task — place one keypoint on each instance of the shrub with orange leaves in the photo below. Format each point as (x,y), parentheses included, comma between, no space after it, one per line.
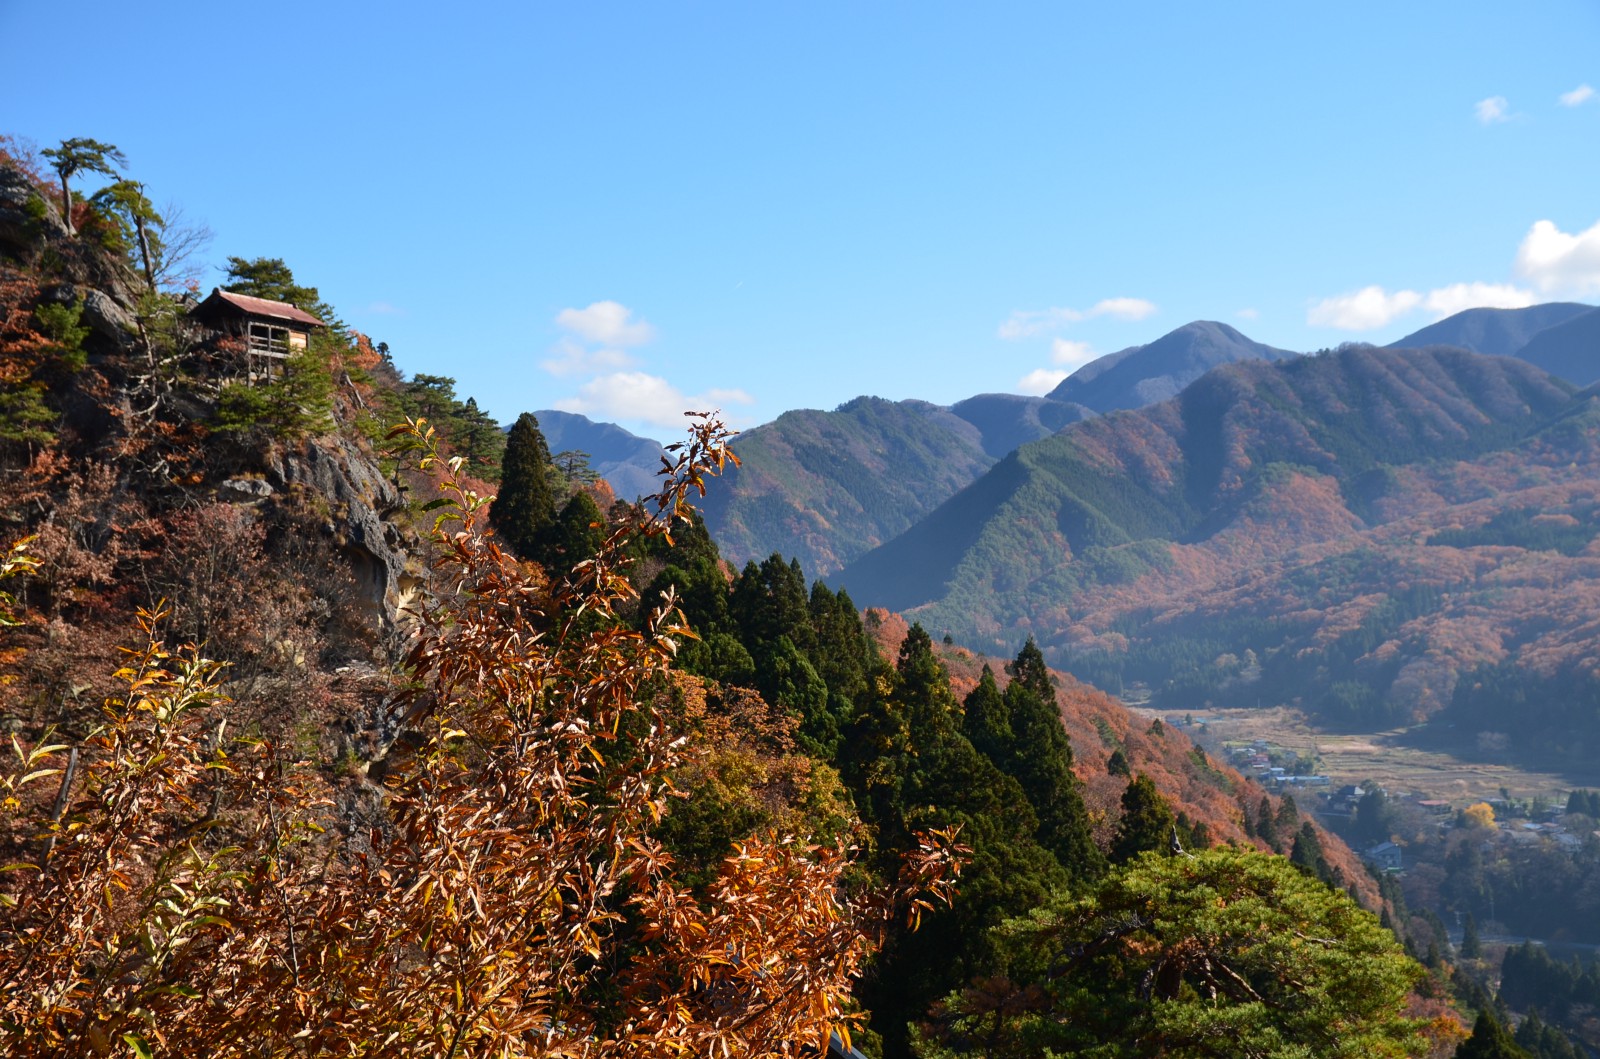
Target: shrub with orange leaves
(506,897)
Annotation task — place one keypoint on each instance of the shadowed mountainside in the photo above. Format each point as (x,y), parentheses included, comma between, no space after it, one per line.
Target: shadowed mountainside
(1497,332)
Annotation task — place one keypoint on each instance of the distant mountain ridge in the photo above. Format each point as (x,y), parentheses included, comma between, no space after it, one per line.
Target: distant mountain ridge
(626,461)
(826,487)
(1353,532)
(1143,375)
(1496,332)
(1570,349)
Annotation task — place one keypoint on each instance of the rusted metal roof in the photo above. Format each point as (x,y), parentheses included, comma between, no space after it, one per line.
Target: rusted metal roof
(260,307)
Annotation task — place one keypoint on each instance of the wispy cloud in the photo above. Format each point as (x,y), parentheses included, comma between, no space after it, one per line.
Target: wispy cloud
(1248,314)
(1577,97)
(1492,111)
(1065,353)
(1373,307)
(606,323)
(596,340)
(385,309)
(1026,323)
(1561,263)
(635,395)
(569,358)
(1041,381)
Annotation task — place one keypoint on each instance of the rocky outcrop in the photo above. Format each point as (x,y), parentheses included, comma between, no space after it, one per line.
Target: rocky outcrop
(360,502)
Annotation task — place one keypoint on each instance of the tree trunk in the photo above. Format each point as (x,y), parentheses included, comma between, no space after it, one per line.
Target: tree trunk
(144,251)
(66,206)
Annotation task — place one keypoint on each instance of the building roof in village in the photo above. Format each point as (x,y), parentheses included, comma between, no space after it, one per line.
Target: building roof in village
(258,307)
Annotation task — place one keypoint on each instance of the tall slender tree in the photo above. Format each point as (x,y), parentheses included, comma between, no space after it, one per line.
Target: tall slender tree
(525,508)
(1041,761)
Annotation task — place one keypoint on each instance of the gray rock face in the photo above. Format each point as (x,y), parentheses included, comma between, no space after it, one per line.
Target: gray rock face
(246,489)
(106,317)
(21,216)
(360,501)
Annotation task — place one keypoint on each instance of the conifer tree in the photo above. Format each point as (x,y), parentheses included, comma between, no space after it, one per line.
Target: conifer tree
(81,155)
(1489,1040)
(913,768)
(1307,853)
(577,533)
(1147,821)
(1266,823)
(986,718)
(1471,946)
(525,507)
(1041,761)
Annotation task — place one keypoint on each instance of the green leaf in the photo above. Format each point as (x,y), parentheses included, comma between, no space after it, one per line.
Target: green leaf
(140,1046)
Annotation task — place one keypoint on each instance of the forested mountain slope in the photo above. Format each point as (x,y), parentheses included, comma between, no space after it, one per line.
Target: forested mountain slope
(1353,531)
(823,487)
(826,487)
(1497,332)
(1570,349)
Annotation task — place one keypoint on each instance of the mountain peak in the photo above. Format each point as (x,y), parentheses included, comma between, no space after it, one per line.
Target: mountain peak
(1142,375)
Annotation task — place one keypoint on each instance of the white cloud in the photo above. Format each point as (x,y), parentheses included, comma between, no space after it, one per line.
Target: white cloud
(1373,307)
(1026,323)
(1041,381)
(1447,301)
(1248,314)
(1362,310)
(1493,110)
(648,398)
(569,357)
(1559,263)
(1578,96)
(1124,308)
(1066,353)
(385,309)
(606,323)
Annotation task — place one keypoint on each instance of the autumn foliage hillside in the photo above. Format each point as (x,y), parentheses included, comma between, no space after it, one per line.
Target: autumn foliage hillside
(1361,533)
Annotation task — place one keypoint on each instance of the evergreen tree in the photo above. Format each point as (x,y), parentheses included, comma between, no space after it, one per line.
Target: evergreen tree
(986,718)
(525,507)
(1117,765)
(1288,818)
(577,533)
(1040,759)
(1471,946)
(912,768)
(81,155)
(1266,823)
(1190,958)
(1489,1040)
(272,279)
(1372,821)
(1307,853)
(1147,821)
(1543,1041)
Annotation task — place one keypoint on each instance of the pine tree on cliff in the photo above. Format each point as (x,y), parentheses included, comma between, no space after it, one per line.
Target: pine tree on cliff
(525,508)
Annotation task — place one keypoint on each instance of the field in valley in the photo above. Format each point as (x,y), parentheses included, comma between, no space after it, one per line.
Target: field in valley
(1385,757)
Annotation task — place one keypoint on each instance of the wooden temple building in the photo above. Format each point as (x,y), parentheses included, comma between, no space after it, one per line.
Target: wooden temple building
(272,331)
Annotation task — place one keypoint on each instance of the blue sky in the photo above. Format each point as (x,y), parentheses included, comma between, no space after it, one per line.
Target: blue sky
(625,209)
